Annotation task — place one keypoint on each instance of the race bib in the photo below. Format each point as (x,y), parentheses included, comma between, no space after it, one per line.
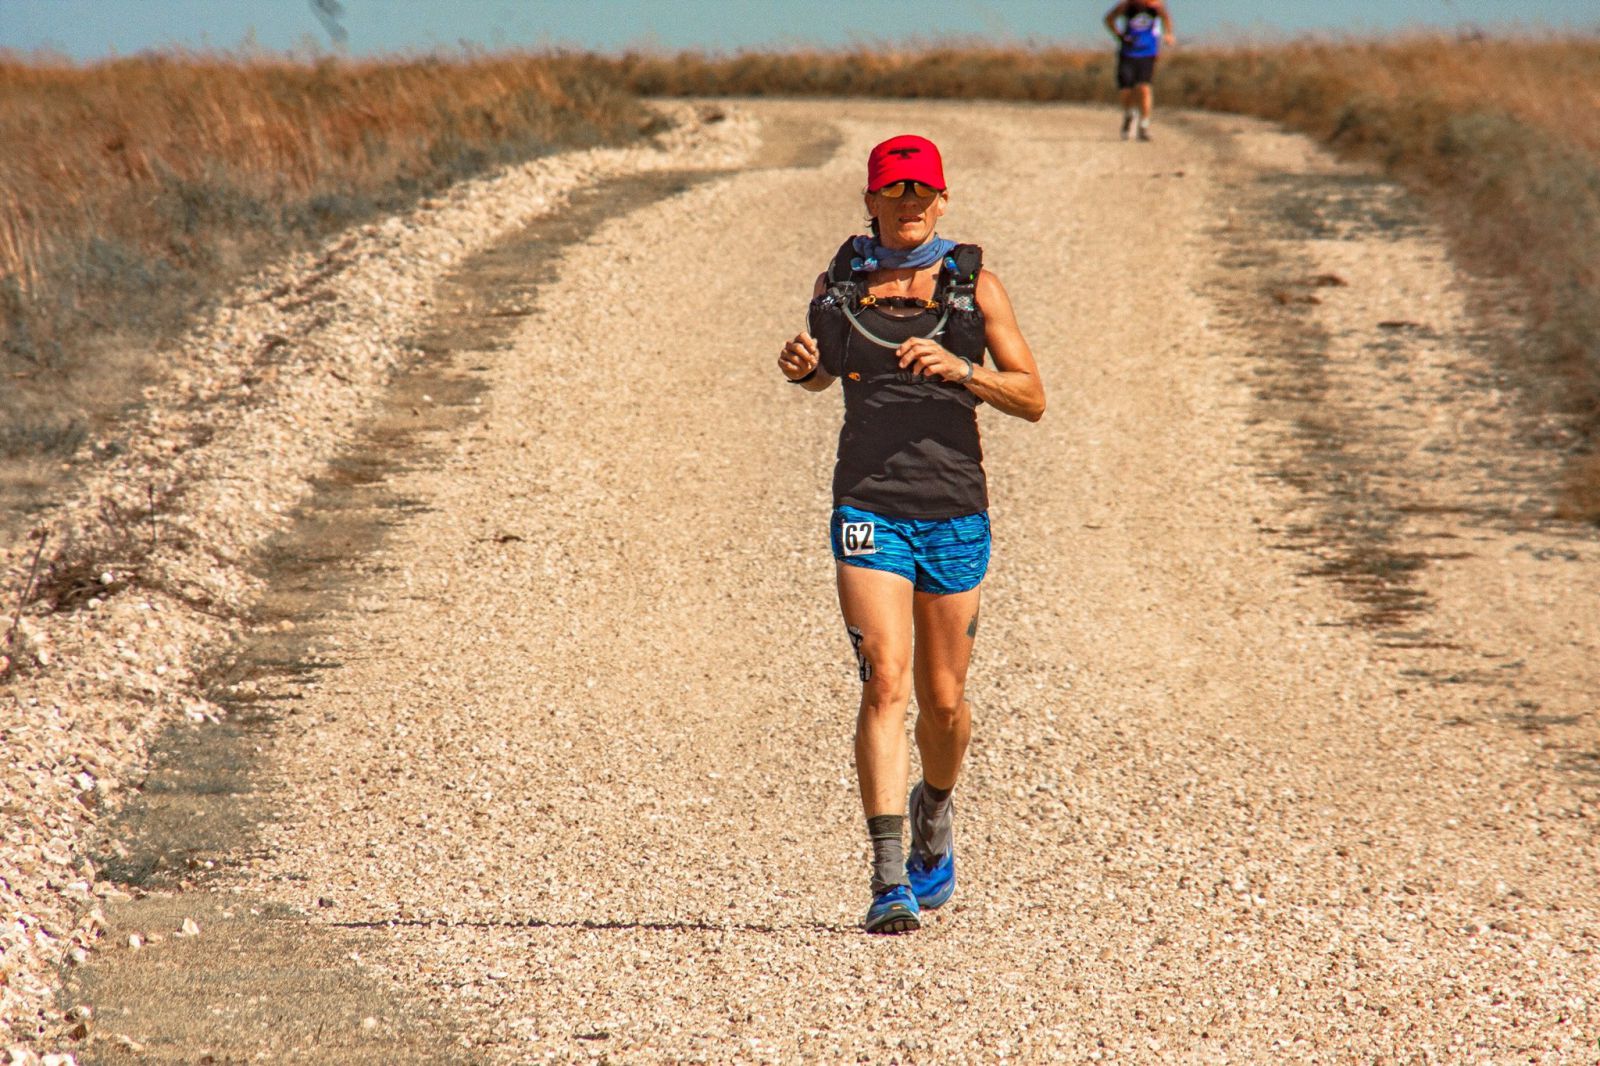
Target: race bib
(859,538)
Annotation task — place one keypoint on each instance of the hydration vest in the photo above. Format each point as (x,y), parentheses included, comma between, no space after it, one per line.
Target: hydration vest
(834,314)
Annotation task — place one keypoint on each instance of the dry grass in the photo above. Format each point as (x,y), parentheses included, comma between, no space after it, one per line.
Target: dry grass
(1502,136)
(133,191)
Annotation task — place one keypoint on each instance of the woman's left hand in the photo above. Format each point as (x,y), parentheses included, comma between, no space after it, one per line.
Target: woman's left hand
(926,358)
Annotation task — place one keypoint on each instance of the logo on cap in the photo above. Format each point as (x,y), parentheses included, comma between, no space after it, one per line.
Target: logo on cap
(903,158)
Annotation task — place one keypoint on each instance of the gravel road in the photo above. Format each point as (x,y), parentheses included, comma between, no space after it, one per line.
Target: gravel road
(1285,735)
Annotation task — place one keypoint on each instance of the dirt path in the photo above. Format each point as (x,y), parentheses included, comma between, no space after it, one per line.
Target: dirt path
(1285,690)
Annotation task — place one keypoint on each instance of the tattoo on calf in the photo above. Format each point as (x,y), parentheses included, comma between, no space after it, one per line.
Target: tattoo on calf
(861,660)
(972,627)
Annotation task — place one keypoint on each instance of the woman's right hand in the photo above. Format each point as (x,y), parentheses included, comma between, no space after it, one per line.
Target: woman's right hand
(799,357)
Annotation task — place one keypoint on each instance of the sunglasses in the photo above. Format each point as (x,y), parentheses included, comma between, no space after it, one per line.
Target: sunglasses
(896,189)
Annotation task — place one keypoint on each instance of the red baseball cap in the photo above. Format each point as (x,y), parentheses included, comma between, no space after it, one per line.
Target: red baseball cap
(905,158)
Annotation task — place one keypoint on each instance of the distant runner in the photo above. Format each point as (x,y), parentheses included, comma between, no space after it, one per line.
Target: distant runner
(1143,23)
(905,317)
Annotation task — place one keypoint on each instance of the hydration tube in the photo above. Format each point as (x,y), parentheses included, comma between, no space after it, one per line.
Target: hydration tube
(891,345)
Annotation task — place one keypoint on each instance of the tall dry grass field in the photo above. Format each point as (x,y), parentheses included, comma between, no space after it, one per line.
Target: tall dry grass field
(134,190)
(1501,136)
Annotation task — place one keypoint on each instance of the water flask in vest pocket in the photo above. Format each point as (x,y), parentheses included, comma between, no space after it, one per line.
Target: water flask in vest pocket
(827,325)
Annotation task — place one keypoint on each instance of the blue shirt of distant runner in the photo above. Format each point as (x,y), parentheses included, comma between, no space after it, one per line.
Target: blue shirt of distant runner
(1141,31)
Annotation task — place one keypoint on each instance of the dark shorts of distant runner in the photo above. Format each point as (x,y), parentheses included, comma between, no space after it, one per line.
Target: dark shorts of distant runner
(1135,70)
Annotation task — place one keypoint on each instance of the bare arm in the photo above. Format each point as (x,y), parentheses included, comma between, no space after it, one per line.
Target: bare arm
(1111,19)
(801,357)
(1013,385)
(1169,32)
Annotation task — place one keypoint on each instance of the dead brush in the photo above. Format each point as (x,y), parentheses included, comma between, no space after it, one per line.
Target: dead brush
(15,649)
(114,554)
(111,557)
(134,192)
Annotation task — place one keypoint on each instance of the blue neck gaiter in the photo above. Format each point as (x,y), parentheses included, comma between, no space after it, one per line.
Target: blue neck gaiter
(870,255)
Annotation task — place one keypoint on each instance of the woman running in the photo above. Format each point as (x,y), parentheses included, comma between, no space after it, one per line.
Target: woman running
(904,318)
(1140,27)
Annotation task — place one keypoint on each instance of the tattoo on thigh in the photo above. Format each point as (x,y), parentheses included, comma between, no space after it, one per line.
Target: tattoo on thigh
(861,660)
(972,627)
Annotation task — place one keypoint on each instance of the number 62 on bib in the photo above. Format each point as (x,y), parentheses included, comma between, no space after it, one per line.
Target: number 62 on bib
(858,538)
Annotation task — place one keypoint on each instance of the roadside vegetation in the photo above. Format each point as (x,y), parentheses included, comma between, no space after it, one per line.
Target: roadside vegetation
(135,191)
(1500,136)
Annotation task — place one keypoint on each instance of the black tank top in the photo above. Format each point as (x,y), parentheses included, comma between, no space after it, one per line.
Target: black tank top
(909,447)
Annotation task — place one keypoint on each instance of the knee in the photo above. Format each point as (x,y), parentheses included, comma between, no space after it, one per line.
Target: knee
(885,681)
(882,665)
(946,714)
(888,691)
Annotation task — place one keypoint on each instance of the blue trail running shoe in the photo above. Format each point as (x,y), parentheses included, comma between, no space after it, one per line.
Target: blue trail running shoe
(932,885)
(932,873)
(894,910)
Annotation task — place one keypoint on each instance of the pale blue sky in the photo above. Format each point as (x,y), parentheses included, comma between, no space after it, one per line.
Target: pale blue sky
(87,29)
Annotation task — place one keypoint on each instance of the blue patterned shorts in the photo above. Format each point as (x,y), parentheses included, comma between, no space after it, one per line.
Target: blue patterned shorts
(941,555)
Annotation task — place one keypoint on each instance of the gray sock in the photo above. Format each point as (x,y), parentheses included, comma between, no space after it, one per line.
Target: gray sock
(888,851)
(932,814)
